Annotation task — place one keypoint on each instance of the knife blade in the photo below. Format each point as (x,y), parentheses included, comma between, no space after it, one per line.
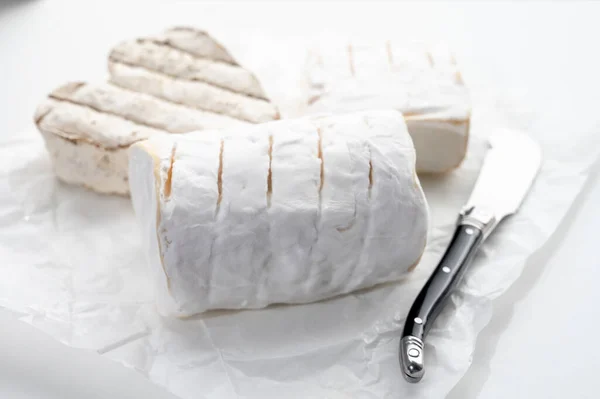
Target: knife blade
(508,171)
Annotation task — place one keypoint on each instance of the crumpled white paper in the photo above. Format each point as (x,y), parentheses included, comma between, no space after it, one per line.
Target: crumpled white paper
(72,266)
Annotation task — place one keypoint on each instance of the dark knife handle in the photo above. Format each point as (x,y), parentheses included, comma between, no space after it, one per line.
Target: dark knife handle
(432,298)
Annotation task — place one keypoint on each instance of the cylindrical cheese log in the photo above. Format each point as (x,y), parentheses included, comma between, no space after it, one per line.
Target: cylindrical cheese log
(290,211)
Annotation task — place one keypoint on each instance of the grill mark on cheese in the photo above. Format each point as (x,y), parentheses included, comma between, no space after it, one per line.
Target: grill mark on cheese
(79,133)
(171,46)
(115,58)
(67,89)
(169,181)
(101,111)
(168,43)
(121,80)
(351,60)
(169,103)
(75,138)
(39,118)
(270,172)
(313,99)
(200,35)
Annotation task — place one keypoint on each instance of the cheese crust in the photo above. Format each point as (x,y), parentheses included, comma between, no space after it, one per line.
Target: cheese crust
(425,85)
(177,82)
(290,211)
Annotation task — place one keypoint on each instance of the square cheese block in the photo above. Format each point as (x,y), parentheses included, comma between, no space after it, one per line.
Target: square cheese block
(424,84)
(177,82)
(291,211)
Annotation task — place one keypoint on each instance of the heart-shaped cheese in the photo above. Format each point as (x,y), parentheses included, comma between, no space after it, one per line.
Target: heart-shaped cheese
(176,82)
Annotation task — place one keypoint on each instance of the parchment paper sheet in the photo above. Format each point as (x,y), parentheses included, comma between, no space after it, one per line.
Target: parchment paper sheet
(72,266)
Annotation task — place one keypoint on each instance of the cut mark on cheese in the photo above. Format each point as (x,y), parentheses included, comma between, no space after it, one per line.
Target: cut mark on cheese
(430,59)
(370,174)
(169,180)
(321,181)
(158,216)
(390,56)
(351,60)
(317,219)
(211,255)
(270,173)
(458,78)
(220,176)
(365,238)
(264,271)
(320,155)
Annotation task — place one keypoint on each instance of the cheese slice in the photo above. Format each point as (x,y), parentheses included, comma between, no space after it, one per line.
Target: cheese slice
(177,82)
(289,211)
(425,85)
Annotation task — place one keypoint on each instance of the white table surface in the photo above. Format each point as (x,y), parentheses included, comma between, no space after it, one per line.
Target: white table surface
(542,341)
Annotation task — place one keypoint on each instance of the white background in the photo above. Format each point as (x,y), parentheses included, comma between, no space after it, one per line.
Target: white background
(542,341)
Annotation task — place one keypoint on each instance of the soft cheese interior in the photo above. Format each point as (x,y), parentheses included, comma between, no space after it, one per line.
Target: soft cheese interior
(289,211)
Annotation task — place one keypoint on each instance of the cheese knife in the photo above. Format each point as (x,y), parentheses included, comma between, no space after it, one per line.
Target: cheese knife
(509,168)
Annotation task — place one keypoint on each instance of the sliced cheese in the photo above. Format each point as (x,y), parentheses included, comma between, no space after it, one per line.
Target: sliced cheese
(290,211)
(425,85)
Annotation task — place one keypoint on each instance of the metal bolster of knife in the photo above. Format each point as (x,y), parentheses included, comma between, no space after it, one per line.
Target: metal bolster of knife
(411,353)
(479,217)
